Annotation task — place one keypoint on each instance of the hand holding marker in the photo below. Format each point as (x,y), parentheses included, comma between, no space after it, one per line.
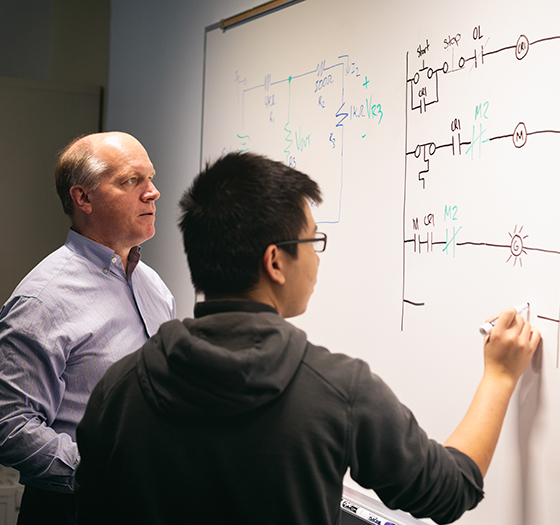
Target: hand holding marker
(486,328)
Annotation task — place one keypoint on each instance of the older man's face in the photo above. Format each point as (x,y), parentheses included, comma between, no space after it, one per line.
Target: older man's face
(123,204)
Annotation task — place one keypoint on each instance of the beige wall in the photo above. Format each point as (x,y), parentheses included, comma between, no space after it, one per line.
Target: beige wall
(60,40)
(53,70)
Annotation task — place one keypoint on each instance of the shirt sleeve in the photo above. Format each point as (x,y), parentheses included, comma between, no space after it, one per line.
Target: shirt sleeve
(392,455)
(33,353)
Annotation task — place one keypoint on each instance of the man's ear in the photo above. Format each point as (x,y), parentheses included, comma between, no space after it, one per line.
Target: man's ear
(274,262)
(80,196)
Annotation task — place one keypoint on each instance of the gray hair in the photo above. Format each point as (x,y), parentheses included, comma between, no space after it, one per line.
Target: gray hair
(77,165)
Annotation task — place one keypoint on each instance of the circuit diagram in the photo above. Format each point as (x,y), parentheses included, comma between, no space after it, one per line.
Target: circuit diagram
(463,118)
(301,118)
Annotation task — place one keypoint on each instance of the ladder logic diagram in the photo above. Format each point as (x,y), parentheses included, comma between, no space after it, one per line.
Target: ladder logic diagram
(482,130)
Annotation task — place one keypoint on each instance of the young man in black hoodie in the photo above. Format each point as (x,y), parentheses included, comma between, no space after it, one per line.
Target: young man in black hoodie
(235,417)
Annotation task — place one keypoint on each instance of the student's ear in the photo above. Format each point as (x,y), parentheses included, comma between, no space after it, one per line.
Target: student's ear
(80,196)
(274,261)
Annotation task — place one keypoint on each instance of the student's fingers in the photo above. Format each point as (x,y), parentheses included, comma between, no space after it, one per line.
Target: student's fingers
(534,338)
(496,316)
(507,319)
(512,344)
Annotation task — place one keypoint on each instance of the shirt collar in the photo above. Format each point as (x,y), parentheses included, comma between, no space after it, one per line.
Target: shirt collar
(101,256)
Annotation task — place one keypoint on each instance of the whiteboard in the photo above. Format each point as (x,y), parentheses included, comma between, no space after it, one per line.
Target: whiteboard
(433,129)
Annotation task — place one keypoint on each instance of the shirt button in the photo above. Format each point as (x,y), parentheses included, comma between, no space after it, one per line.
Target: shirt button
(114,260)
(105,271)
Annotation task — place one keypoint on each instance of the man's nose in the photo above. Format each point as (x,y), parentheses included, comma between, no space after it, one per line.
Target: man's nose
(151,193)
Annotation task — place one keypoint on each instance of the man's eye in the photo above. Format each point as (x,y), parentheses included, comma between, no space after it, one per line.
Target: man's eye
(131,181)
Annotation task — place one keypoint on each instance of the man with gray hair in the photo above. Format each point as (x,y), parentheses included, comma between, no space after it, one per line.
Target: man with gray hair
(82,308)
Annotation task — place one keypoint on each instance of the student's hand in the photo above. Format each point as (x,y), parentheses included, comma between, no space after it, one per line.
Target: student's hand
(507,353)
(510,346)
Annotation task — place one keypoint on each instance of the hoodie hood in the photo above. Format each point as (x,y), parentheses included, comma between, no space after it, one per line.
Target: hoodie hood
(234,357)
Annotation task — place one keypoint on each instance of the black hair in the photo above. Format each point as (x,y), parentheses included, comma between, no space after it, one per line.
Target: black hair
(236,208)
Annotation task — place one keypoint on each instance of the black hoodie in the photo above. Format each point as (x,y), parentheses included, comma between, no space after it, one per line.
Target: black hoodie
(234,417)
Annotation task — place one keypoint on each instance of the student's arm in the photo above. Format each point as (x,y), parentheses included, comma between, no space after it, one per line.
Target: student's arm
(507,353)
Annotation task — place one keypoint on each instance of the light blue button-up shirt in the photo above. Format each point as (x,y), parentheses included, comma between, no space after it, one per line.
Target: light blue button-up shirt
(71,317)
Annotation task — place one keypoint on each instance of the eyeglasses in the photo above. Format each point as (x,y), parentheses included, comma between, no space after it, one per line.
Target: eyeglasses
(319,242)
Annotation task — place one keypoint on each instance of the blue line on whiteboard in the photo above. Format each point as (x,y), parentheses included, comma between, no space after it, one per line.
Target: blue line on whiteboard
(289,79)
(341,181)
(289,141)
(339,114)
(243,110)
(254,87)
(304,141)
(282,81)
(304,74)
(341,175)
(343,75)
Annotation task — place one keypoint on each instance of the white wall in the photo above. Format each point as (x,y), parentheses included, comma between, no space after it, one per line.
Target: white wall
(155,93)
